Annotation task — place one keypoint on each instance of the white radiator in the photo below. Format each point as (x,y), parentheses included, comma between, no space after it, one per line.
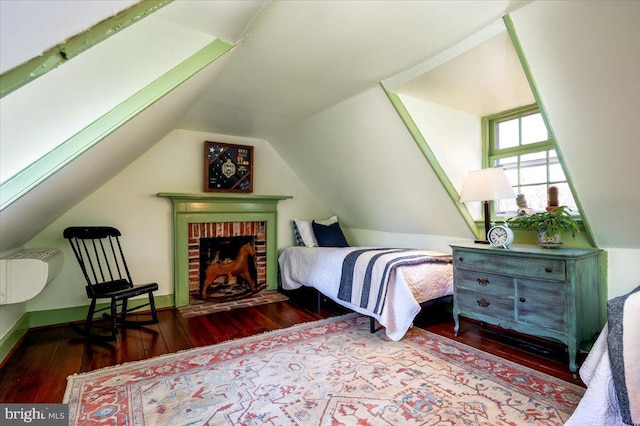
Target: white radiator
(24,274)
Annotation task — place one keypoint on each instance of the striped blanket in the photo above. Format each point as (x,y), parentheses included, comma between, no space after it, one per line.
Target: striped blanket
(624,353)
(396,280)
(365,274)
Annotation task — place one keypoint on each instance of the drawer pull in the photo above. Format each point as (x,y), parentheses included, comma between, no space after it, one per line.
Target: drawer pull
(483,281)
(522,299)
(483,303)
(461,258)
(548,269)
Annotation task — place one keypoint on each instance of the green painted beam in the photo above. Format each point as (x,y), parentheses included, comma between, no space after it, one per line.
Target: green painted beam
(23,74)
(543,111)
(415,132)
(40,170)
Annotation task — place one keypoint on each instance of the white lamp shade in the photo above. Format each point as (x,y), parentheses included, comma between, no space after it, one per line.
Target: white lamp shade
(486,185)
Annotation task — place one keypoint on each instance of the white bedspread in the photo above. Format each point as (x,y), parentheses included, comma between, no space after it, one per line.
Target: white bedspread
(599,405)
(612,369)
(408,286)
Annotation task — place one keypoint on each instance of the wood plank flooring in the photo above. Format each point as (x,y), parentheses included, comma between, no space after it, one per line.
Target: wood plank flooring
(36,371)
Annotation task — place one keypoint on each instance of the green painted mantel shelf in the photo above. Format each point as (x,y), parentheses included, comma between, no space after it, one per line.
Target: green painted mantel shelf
(217,207)
(231,201)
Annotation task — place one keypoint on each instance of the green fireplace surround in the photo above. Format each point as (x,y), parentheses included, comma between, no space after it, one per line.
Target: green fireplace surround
(213,207)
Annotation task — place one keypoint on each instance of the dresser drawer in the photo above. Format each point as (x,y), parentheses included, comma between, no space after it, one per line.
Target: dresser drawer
(545,269)
(484,283)
(542,303)
(483,303)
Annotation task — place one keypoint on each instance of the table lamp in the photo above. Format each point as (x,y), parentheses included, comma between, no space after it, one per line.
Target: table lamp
(486,185)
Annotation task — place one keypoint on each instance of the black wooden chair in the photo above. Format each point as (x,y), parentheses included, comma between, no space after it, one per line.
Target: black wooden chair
(100,255)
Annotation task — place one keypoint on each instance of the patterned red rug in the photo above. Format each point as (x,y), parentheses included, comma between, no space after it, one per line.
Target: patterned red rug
(330,372)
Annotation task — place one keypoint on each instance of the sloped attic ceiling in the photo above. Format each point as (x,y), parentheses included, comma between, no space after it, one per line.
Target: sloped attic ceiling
(294,59)
(292,64)
(303,57)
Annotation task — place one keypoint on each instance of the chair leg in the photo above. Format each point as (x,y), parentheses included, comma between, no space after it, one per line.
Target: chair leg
(152,305)
(138,323)
(123,311)
(86,331)
(89,321)
(88,326)
(114,318)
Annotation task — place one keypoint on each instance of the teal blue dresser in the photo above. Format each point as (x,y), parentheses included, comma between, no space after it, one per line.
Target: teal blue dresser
(548,293)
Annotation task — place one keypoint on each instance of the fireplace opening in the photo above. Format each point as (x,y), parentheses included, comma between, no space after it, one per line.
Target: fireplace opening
(228,268)
(227,261)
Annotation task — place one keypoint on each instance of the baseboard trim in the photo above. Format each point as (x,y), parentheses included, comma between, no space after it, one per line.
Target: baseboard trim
(55,317)
(14,336)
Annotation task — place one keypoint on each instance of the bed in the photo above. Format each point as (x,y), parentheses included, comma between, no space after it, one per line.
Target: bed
(387,284)
(612,369)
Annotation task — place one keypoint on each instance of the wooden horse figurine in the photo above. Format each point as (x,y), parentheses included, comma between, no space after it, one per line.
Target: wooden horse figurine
(239,268)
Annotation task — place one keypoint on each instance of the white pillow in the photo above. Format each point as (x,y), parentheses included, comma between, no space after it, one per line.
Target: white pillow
(304,231)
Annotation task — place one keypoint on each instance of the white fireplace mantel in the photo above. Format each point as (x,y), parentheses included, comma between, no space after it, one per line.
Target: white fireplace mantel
(215,207)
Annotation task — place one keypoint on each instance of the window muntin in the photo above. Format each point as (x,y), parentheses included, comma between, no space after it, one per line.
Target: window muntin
(520,144)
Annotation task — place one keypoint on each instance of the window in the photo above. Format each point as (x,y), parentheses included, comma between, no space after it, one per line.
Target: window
(518,142)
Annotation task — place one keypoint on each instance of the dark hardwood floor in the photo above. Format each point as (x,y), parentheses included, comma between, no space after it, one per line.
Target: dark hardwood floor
(36,370)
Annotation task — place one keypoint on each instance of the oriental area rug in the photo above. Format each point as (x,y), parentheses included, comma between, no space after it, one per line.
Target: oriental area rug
(330,372)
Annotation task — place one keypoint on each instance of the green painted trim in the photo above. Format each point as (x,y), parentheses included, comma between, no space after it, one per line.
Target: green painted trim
(59,316)
(415,132)
(25,73)
(204,208)
(13,336)
(486,132)
(543,111)
(489,151)
(79,313)
(604,285)
(514,112)
(40,170)
(233,201)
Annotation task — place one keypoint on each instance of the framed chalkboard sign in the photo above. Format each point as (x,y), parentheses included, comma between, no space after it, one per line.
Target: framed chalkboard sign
(227,167)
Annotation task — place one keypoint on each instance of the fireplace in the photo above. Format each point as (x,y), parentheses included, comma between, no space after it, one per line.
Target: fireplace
(233,213)
(227,260)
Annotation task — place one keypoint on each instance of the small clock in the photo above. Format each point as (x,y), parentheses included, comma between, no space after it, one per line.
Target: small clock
(500,236)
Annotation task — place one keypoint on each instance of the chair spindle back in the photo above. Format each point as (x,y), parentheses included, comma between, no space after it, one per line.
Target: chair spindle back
(99,253)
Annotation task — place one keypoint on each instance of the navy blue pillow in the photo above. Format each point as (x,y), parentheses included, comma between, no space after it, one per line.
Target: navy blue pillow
(329,235)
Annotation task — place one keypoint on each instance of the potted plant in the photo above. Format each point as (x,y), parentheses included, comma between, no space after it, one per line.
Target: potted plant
(548,225)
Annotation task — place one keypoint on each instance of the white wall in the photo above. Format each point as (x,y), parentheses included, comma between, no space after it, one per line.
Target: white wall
(454,136)
(370,238)
(623,271)
(129,202)
(361,163)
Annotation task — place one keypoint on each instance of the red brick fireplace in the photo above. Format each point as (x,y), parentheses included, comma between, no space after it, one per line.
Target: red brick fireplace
(256,231)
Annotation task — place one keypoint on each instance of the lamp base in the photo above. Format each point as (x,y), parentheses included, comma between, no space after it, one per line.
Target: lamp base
(487,223)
